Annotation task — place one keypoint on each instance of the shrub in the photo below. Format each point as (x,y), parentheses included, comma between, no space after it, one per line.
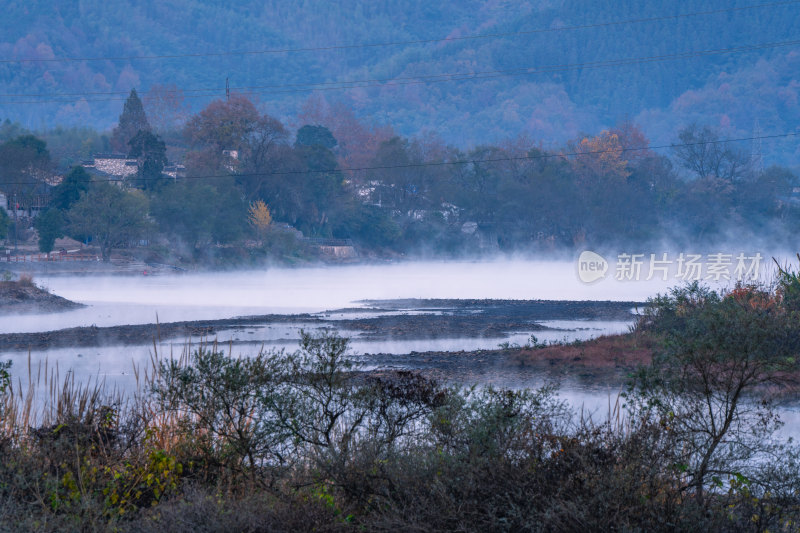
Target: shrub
(710,382)
(308,441)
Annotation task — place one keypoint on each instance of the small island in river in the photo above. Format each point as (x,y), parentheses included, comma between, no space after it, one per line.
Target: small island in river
(23,296)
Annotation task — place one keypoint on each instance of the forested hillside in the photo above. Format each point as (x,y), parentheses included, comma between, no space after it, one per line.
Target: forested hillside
(726,90)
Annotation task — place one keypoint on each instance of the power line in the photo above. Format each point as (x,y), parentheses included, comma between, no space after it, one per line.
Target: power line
(502,159)
(440,78)
(404,43)
(458,162)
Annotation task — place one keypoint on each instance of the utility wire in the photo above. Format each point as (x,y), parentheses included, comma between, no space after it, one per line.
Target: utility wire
(449,163)
(447,77)
(404,43)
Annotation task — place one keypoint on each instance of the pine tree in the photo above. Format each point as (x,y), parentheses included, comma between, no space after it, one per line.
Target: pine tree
(132,120)
(151,154)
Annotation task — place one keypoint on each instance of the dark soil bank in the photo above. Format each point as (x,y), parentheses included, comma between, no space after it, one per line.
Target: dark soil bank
(606,360)
(478,318)
(418,319)
(19,297)
(133,334)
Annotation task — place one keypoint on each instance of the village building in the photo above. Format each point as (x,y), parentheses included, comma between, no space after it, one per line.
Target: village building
(117,167)
(175,171)
(28,207)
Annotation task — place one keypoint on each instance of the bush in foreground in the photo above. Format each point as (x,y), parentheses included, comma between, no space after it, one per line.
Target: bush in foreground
(305,441)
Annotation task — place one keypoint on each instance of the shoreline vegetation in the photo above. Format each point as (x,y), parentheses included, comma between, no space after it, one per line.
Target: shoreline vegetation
(285,441)
(293,197)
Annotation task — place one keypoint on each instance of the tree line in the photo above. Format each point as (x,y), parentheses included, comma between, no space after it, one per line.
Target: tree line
(340,177)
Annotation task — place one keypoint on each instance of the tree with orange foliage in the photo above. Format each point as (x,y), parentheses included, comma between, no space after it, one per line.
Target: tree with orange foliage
(634,141)
(601,158)
(260,218)
(232,126)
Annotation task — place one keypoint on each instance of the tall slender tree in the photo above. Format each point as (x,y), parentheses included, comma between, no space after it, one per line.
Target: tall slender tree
(151,154)
(132,120)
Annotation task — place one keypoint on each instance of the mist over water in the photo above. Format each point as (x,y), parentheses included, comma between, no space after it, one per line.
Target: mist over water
(118,300)
(114,300)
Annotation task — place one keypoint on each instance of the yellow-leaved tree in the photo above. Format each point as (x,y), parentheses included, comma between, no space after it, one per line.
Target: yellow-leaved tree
(601,158)
(260,218)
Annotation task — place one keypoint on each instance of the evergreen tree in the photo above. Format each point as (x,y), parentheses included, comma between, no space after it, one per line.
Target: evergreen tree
(69,190)
(50,226)
(132,120)
(315,136)
(5,222)
(151,153)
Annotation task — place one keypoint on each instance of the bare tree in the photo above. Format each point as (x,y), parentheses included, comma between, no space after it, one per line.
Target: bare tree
(705,154)
(166,107)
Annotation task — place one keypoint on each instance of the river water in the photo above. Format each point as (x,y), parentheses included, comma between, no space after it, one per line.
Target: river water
(115,300)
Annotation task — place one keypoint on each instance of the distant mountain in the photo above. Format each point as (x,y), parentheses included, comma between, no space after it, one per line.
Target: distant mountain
(728,90)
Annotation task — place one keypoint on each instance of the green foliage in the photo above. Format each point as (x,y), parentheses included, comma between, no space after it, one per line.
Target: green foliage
(112,216)
(222,403)
(5,378)
(66,193)
(315,136)
(369,226)
(132,120)
(185,210)
(10,130)
(788,289)
(302,440)
(709,383)
(50,226)
(69,146)
(135,486)
(24,162)
(5,223)
(428,197)
(151,152)
(230,213)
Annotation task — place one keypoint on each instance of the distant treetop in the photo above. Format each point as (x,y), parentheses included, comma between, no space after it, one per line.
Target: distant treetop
(132,120)
(315,136)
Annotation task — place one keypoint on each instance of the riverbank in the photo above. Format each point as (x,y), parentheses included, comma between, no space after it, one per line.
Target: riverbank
(409,319)
(23,297)
(607,360)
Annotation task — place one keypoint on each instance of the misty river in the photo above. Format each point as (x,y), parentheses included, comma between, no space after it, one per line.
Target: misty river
(330,292)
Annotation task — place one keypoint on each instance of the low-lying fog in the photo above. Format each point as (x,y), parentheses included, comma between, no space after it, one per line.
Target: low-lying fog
(115,300)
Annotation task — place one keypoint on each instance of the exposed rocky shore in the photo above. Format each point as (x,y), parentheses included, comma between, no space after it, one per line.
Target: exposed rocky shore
(415,319)
(17,297)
